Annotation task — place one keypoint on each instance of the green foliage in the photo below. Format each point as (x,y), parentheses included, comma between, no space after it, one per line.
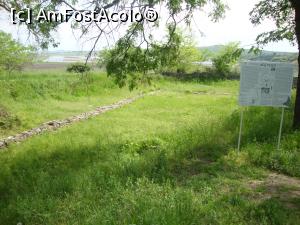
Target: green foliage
(78,68)
(129,62)
(43,32)
(188,56)
(286,160)
(271,211)
(13,55)
(271,56)
(134,64)
(282,13)
(7,120)
(226,58)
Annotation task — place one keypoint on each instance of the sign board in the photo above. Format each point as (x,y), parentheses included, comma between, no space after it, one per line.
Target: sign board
(266,84)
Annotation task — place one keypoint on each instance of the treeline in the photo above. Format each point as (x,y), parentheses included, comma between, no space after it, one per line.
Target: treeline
(271,56)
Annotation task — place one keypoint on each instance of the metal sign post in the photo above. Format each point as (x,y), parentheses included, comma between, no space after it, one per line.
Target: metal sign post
(240,132)
(280,128)
(265,84)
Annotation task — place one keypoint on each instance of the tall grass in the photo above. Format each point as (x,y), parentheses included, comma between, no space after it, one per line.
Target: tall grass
(166,159)
(31,98)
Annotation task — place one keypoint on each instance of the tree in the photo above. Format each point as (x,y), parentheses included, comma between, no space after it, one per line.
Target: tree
(13,55)
(188,55)
(226,58)
(127,62)
(138,63)
(286,14)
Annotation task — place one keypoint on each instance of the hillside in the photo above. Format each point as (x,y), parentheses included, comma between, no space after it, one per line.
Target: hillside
(272,56)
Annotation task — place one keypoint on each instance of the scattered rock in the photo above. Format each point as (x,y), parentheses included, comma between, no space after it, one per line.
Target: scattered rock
(55,124)
(51,123)
(2,144)
(10,138)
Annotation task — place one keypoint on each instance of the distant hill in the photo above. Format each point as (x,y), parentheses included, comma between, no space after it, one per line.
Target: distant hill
(271,56)
(212,48)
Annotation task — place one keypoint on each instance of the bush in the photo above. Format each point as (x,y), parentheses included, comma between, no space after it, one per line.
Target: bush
(13,55)
(78,68)
(188,57)
(228,56)
(7,121)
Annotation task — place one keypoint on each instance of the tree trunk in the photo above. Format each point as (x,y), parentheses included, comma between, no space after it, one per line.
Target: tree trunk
(297,102)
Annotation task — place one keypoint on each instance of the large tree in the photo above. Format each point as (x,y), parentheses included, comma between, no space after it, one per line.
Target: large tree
(286,14)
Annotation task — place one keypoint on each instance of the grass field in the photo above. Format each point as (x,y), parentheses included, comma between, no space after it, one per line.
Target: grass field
(169,158)
(32,98)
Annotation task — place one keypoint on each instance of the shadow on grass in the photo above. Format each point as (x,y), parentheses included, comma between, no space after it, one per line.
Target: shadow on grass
(260,124)
(201,76)
(35,182)
(260,137)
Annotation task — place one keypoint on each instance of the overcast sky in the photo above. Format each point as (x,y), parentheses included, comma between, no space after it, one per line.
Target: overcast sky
(235,27)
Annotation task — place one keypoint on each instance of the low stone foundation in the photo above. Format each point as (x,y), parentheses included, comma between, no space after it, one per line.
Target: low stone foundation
(55,124)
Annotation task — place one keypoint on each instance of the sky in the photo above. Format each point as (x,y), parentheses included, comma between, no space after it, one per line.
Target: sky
(235,27)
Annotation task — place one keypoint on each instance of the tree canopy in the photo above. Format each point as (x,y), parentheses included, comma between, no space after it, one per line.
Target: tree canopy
(286,14)
(280,11)
(178,11)
(134,46)
(136,63)
(226,58)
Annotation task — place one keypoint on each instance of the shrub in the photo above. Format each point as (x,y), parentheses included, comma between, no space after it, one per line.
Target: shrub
(7,121)
(78,68)
(13,55)
(226,58)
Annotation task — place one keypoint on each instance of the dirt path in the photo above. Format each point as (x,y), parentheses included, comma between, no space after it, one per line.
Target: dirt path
(56,124)
(282,187)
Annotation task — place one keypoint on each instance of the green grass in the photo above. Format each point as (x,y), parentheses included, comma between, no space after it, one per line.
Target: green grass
(29,99)
(167,159)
